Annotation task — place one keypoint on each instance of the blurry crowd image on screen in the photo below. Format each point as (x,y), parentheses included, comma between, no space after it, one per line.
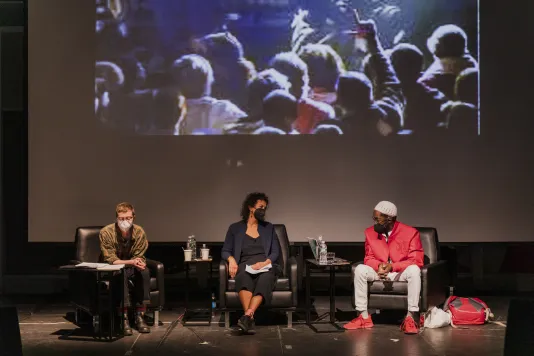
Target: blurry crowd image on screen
(210,87)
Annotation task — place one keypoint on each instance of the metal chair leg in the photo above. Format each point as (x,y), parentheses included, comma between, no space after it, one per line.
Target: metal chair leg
(96,325)
(290,320)
(77,316)
(227,320)
(156,318)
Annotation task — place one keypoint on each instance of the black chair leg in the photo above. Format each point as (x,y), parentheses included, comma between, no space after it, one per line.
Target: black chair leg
(96,324)
(77,316)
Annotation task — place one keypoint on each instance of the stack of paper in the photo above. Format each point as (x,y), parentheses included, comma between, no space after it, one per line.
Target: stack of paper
(256,271)
(111,268)
(100,266)
(91,265)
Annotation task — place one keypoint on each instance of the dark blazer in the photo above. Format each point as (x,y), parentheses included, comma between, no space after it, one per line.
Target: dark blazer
(237,232)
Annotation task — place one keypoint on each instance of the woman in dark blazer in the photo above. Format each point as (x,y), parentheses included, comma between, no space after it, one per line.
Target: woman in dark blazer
(252,242)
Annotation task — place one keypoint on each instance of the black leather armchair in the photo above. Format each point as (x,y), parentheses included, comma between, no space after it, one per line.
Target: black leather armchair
(83,297)
(285,296)
(435,280)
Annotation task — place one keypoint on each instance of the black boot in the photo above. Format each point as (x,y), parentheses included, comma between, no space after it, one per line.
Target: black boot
(142,327)
(246,323)
(243,323)
(126,328)
(252,326)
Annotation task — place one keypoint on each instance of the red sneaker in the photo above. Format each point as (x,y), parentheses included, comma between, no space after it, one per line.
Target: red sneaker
(360,323)
(422,321)
(408,326)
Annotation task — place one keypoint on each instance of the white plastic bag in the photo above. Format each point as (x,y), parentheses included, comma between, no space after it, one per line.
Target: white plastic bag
(437,318)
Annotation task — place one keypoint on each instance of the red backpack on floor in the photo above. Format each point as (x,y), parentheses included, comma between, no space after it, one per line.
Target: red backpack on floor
(467,311)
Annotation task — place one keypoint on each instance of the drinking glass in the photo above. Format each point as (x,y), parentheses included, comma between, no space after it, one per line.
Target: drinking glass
(330,256)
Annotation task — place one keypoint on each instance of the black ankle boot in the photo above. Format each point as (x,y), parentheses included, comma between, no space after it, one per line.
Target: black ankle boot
(251,325)
(127,329)
(243,323)
(142,327)
(246,323)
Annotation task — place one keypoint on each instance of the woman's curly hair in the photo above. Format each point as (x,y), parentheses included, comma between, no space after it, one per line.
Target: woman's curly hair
(251,200)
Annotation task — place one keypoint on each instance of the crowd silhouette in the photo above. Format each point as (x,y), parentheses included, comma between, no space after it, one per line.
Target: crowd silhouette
(313,86)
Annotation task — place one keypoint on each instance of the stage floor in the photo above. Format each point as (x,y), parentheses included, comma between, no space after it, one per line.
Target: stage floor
(45,331)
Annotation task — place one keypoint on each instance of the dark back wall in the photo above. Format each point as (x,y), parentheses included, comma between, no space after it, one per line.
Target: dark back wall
(22,257)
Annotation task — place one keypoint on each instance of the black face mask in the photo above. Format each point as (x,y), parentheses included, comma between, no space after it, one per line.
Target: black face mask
(381,228)
(259,214)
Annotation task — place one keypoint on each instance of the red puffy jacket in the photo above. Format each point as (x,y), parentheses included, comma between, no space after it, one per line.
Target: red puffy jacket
(404,248)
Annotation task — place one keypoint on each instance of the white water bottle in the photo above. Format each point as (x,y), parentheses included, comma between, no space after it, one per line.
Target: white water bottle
(322,252)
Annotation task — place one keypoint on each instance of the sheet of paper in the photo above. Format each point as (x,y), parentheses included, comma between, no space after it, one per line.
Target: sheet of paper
(111,268)
(91,265)
(253,271)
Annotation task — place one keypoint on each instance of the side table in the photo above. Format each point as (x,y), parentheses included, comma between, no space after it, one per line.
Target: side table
(102,297)
(331,267)
(197,316)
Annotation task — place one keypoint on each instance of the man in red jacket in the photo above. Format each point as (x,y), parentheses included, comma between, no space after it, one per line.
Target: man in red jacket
(393,251)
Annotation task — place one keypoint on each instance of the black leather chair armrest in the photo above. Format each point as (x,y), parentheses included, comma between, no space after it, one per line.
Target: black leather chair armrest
(435,281)
(157,270)
(223,280)
(438,271)
(293,279)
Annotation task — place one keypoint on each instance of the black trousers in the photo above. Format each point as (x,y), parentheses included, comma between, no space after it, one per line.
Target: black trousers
(136,287)
(258,284)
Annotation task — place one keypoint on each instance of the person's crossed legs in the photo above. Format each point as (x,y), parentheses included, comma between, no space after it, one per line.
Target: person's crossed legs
(364,274)
(250,304)
(251,301)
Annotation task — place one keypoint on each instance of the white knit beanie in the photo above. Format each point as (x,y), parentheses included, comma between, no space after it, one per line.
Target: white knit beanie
(386,208)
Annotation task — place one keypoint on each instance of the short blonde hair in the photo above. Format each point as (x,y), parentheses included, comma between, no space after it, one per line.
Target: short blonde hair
(123,208)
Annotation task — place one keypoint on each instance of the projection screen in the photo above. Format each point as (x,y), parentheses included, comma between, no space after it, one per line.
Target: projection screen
(184,107)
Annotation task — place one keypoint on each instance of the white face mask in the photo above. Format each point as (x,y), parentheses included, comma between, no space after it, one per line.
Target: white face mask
(124,225)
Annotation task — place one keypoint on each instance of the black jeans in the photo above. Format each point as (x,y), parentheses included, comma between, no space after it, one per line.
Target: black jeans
(136,287)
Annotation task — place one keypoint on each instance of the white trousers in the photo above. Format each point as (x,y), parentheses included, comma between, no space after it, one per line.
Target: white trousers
(365,274)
